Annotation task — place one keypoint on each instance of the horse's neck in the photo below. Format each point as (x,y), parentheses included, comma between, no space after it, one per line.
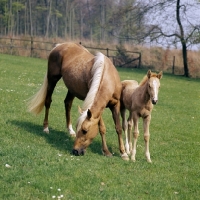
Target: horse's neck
(98,105)
(144,93)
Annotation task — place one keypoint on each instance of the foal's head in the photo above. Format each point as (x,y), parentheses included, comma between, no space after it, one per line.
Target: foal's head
(153,82)
(87,129)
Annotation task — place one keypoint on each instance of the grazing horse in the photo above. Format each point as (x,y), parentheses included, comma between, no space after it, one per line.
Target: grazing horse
(139,100)
(91,78)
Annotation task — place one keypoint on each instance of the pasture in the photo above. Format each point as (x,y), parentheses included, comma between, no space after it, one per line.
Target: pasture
(34,165)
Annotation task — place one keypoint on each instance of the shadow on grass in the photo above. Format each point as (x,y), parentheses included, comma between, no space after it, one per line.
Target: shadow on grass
(58,139)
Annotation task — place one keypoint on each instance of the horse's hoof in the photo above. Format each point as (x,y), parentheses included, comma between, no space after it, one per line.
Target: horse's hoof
(108,154)
(73,135)
(46,130)
(71,131)
(125,156)
(149,161)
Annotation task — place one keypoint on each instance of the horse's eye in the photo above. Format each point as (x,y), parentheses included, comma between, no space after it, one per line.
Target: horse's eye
(84,132)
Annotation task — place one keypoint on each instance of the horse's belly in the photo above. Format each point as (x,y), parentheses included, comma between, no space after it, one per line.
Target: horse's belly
(76,86)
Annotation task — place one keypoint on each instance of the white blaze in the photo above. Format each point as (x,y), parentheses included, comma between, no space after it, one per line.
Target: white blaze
(155,87)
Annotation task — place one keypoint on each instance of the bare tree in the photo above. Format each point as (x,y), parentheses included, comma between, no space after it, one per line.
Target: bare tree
(183,31)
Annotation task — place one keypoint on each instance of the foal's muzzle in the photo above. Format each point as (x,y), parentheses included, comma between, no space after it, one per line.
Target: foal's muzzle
(79,152)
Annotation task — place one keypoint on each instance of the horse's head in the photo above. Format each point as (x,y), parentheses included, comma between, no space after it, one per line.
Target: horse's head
(87,129)
(154,85)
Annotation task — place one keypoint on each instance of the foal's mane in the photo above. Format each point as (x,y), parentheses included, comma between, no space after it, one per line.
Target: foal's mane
(145,78)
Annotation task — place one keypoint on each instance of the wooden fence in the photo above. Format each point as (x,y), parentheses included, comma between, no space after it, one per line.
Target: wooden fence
(40,49)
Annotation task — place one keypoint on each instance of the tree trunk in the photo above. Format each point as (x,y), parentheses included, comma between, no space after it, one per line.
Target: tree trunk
(182,38)
(30,12)
(48,19)
(185,63)
(10,21)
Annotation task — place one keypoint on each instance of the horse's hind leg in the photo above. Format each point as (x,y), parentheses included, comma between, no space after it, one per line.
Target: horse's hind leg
(52,80)
(68,104)
(102,130)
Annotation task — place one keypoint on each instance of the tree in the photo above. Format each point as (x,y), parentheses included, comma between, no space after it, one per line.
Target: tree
(183,31)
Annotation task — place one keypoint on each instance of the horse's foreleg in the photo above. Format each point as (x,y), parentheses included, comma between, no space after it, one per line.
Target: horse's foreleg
(102,130)
(116,117)
(135,136)
(146,123)
(68,104)
(125,127)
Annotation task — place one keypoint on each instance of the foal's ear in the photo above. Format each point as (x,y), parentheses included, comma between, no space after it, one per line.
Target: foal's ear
(160,75)
(149,73)
(89,114)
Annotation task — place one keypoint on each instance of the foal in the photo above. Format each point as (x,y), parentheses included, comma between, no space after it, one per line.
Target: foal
(139,100)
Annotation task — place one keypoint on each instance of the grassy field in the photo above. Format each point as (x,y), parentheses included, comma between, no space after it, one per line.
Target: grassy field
(34,165)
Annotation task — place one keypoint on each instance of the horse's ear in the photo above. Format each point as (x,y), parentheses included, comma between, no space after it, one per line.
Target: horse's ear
(149,73)
(80,110)
(89,114)
(160,75)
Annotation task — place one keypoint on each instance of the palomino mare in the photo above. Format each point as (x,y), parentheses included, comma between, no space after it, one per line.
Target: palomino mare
(139,100)
(91,78)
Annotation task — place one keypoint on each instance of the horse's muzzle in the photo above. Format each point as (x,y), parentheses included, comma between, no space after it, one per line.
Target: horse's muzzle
(79,152)
(154,101)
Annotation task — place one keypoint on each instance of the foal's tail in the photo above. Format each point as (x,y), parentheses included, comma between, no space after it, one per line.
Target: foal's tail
(36,103)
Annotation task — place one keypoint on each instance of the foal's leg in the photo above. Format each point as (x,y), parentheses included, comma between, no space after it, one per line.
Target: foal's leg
(146,123)
(135,136)
(52,80)
(102,130)
(129,133)
(68,104)
(116,117)
(125,127)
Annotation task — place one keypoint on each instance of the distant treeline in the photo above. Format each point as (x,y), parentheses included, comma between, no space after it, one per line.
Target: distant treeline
(94,20)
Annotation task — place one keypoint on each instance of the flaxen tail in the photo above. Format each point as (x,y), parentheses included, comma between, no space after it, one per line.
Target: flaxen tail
(36,103)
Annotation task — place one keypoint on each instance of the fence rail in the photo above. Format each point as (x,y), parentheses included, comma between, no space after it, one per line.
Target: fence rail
(40,49)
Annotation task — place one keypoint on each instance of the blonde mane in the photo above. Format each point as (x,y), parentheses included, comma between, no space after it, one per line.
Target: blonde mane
(97,73)
(145,78)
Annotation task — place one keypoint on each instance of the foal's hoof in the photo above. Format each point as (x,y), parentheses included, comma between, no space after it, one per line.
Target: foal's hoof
(133,159)
(46,130)
(125,156)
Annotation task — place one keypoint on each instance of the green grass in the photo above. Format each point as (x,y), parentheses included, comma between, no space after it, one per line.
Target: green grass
(41,164)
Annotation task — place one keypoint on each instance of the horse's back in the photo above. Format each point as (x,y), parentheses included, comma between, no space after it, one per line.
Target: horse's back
(128,87)
(74,64)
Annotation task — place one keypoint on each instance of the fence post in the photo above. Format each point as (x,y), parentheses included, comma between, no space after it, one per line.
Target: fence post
(11,45)
(31,46)
(107,52)
(173,65)
(140,57)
